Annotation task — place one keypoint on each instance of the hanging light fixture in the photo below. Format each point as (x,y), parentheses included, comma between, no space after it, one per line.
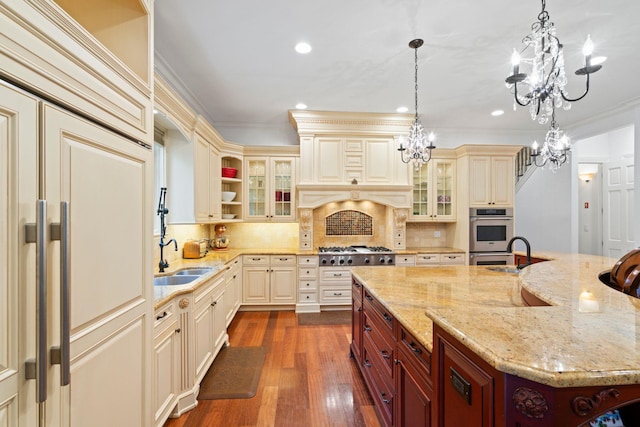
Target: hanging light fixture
(546,81)
(555,148)
(419,144)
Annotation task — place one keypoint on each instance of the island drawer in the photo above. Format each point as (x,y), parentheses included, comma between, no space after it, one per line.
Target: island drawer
(382,344)
(419,354)
(372,305)
(382,391)
(356,290)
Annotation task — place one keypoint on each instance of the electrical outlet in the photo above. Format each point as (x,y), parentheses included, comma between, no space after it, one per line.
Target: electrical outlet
(436,234)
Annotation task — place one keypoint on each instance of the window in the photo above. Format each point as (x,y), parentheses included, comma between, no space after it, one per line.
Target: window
(159,179)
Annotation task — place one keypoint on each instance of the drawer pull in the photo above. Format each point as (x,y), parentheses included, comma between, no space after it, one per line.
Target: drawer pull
(367,363)
(337,274)
(387,317)
(384,399)
(178,330)
(337,294)
(213,304)
(357,285)
(284,259)
(385,354)
(369,297)
(367,328)
(256,259)
(162,316)
(414,348)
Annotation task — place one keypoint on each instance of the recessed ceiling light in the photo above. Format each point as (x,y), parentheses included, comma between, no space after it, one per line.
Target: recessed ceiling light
(303,47)
(155,111)
(402,109)
(497,113)
(598,60)
(301,106)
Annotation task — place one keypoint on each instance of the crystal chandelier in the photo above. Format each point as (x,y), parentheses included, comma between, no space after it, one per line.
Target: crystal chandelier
(419,144)
(555,148)
(545,83)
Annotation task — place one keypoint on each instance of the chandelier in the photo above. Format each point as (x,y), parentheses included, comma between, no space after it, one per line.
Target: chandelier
(555,148)
(545,83)
(419,144)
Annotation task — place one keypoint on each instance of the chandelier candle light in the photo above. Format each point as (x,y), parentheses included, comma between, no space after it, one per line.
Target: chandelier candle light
(419,144)
(556,147)
(547,80)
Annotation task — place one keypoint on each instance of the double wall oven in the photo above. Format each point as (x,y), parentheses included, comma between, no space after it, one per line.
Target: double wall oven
(490,230)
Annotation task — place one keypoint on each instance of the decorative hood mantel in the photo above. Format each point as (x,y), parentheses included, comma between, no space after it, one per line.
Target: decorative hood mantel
(351,156)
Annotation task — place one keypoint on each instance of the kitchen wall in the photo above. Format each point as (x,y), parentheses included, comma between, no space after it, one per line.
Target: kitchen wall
(423,235)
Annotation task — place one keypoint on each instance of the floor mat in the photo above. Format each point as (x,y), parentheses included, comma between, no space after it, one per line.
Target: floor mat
(234,374)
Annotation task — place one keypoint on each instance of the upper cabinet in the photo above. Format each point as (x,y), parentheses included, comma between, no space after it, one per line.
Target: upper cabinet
(270,188)
(232,190)
(349,160)
(434,191)
(491,181)
(93,57)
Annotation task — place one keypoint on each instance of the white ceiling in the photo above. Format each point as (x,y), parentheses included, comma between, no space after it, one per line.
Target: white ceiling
(234,60)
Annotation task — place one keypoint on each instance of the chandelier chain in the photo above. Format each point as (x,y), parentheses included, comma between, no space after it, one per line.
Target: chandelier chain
(415,50)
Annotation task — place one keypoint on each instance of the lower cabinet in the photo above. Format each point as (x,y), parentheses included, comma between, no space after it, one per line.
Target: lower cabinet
(166,361)
(269,279)
(233,289)
(209,325)
(395,366)
(435,259)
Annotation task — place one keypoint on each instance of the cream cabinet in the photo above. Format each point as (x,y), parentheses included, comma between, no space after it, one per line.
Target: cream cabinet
(166,361)
(270,189)
(193,180)
(269,279)
(233,289)
(76,308)
(307,284)
(434,191)
(491,181)
(435,259)
(405,260)
(209,325)
(341,160)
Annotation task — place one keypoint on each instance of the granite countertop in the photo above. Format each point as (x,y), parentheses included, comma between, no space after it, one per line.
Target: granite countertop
(217,260)
(574,342)
(428,250)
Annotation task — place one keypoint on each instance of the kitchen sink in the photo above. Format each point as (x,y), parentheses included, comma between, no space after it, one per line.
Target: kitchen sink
(511,270)
(194,271)
(174,280)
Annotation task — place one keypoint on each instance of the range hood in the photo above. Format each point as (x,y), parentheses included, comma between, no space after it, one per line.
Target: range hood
(310,196)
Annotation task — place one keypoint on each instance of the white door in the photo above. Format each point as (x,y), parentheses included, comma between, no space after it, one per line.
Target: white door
(18,195)
(618,208)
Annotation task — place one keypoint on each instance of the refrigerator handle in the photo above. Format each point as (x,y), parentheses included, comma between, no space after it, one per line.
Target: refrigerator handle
(65,264)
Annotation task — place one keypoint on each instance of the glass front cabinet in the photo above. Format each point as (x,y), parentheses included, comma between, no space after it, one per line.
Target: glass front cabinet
(270,191)
(434,191)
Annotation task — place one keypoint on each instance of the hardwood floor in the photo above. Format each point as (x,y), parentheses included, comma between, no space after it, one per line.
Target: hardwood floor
(308,378)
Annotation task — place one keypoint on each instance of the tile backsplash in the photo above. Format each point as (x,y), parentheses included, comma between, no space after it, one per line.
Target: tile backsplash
(261,235)
(182,233)
(422,235)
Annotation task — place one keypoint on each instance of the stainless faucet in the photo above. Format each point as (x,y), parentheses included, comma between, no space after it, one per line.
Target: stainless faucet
(526,242)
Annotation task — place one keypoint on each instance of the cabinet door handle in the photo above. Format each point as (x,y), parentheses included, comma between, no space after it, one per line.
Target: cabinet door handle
(384,399)
(387,317)
(178,330)
(162,316)
(213,304)
(337,294)
(337,274)
(369,297)
(385,354)
(367,363)
(415,349)
(367,328)
(41,302)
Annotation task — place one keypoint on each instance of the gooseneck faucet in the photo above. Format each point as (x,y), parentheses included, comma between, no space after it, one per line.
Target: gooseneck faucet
(162,211)
(526,243)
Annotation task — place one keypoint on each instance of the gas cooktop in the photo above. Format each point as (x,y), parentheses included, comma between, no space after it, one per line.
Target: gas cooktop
(355,255)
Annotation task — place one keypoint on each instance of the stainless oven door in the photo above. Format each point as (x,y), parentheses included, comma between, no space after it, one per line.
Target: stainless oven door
(489,234)
(491,258)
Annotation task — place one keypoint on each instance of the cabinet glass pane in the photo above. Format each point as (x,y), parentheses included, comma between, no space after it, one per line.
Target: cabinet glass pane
(421,190)
(282,187)
(444,191)
(257,188)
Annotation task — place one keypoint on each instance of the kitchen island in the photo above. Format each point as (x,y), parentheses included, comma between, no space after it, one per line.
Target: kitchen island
(559,365)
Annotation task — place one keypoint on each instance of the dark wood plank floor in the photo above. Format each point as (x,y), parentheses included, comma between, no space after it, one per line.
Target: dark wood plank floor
(308,378)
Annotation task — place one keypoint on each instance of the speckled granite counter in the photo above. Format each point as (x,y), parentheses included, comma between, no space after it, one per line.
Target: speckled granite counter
(215,259)
(561,345)
(428,250)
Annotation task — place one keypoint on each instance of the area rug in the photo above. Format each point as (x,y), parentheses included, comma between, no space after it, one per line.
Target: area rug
(342,317)
(234,374)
